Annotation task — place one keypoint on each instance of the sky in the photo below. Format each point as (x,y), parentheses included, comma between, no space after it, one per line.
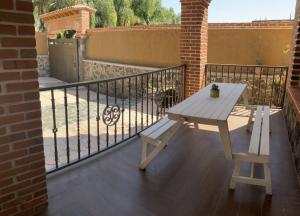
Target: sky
(244,10)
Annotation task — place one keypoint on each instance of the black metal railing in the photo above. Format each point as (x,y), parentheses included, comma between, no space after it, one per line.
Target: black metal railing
(83,119)
(266,84)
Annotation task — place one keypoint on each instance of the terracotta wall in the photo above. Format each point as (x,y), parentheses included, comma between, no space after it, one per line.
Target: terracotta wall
(41,43)
(229,43)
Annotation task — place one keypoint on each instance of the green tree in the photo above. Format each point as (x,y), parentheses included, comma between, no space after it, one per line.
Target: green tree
(125,14)
(147,10)
(105,14)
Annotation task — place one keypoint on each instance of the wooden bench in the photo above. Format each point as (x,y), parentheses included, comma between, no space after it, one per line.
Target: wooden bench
(259,152)
(158,135)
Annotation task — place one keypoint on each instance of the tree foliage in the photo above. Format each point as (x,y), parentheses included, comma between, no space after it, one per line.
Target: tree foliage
(113,12)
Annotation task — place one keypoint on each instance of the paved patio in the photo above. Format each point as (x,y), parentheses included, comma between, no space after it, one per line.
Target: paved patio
(190,177)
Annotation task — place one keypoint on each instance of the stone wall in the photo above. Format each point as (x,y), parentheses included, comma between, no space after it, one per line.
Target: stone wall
(43,65)
(293,127)
(99,70)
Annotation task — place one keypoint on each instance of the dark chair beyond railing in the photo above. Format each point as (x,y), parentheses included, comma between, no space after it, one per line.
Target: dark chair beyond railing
(83,119)
(266,84)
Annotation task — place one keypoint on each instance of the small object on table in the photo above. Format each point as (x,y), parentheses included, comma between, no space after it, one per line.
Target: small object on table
(214,91)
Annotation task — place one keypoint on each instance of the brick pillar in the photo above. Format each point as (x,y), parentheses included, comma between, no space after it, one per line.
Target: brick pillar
(22,165)
(193,42)
(295,65)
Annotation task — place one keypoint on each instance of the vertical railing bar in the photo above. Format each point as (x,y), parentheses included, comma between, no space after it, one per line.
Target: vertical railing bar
(228,76)
(123,110)
(222,73)
(129,105)
(210,67)
(163,93)
(234,71)
(136,101)
(147,98)
(98,119)
(115,90)
(78,123)
(171,74)
(267,77)
(272,88)
(279,89)
(152,98)
(165,97)
(241,73)
(88,113)
(184,80)
(142,103)
(253,85)
(284,89)
(157,93)
(259,95)
(54,130)
(107,132)
(67,124)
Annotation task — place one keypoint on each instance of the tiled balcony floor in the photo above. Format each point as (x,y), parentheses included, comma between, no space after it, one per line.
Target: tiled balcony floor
(190,177)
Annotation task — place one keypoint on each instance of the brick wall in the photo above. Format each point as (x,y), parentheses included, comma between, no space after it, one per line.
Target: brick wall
(22,169)
(193,42)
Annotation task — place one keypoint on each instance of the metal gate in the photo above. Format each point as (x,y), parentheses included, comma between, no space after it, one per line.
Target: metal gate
(63,56)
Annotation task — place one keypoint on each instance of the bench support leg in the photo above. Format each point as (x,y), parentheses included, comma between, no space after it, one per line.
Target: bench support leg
(250,120)
(236,172)
(196,125)
(147,158)
(268,182)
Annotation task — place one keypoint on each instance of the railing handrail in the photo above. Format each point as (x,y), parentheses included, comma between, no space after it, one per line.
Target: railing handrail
(84,83)
(241,65)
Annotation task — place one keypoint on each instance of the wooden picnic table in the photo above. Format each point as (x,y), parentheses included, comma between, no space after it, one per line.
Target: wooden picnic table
(200,108)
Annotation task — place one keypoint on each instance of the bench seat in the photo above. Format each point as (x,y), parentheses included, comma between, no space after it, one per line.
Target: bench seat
(158,135)
(259,152)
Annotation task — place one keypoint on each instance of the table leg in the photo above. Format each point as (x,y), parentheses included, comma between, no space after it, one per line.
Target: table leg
(225,137)
(245,98)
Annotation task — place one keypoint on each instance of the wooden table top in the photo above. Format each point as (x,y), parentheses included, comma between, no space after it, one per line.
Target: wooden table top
(202,106)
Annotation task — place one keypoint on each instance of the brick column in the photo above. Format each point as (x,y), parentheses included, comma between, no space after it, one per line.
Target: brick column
(22,165)
(295,64)
(193,42)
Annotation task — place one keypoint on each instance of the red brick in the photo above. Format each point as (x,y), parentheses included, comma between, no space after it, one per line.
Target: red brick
(35,133)
(5,166)
(8,53)
(31,96)
(4,148)
(8,29)
(28,159)
(38,148)
(25,107)
(30,75)
(12,155)
(18,42)
(3,131)
(33,115)
(15,87)
(5,182)
(31,189)
(31,174)
(8,119)
(12,138)
(8,76)
(6,4)
(16,17)
(7,197)
(19,64)
(28,143)
(15,187)
(24,6)
(26,30)
(26,125)
(11,98)
(10,211)
(28,53)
